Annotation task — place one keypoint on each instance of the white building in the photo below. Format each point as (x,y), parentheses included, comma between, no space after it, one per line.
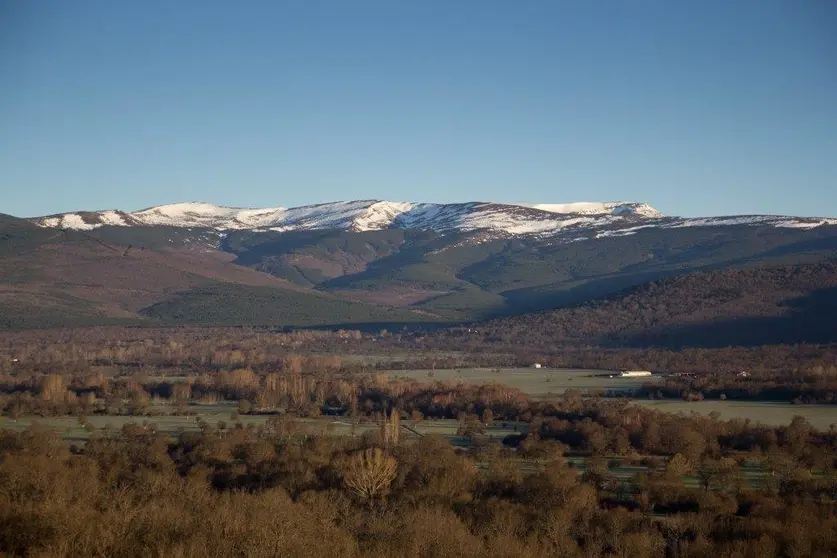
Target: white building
(634,373)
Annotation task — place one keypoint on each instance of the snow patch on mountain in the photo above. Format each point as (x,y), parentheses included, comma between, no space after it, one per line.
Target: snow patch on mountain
(380,215)
(112,218)
(769,220)
(796,224)
(197,214)
(599,208)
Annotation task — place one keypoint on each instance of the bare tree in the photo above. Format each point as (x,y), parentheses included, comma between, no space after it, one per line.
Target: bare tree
(369,473)
(678,466)
(53,388)
(391,427)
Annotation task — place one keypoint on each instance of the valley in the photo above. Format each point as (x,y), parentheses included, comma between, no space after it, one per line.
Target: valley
(243,419)
(418,280)
(283,357)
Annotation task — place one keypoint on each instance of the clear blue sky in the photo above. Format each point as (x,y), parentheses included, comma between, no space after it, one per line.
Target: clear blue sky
(697,107)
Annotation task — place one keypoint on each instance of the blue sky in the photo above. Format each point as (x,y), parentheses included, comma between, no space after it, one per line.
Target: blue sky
(699,108)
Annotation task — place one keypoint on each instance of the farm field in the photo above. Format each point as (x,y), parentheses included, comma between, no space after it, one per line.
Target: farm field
(396,357)
(71,430)
(766,412)
(537,382)
(542,383)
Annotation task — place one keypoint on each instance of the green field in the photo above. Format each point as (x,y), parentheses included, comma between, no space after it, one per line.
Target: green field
(537,382)
(767,412)
(542,383)
(70,428)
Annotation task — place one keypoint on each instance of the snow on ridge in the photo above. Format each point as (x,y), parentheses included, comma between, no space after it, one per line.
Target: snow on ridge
(381,215)
(797,224)
(359,215)
(72,221)
(353,215)
(52,222)
(201,214)
(771,220)
(612,218)
(256,218)
(598,208)
(575,207)
(111,218)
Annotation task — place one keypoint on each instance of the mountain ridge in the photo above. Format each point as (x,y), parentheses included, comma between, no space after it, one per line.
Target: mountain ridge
(376,261)
(354,215)
(502,219)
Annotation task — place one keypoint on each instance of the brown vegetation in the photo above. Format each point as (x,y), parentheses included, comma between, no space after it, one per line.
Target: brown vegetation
(282,489)
(267,492)
(237,356)
(122,283)
(369,473)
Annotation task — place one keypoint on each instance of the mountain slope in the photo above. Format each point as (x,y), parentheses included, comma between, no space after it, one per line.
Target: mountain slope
(231,304)
(732,307)
(73,278)
(398,261)
(473,276)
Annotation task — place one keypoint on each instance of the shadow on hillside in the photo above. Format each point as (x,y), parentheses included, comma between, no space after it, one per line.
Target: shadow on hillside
(612,286)
(803,252)
(808,319)
(533,300)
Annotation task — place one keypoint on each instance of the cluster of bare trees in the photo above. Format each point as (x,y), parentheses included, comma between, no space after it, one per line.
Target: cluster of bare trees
(593,427)
(242,357)
(282,490)
(201,349)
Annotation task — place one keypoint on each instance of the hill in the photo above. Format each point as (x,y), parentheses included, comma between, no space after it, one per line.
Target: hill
(54,278)
(732,307)
(470,276)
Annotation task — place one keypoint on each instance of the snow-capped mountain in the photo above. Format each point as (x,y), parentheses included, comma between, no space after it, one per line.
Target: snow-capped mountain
(609,218)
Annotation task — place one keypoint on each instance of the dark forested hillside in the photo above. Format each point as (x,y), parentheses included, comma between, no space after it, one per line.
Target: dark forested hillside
(467,276)
(733,307)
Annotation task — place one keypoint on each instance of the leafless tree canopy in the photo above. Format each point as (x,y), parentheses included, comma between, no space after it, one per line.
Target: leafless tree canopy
(370,472)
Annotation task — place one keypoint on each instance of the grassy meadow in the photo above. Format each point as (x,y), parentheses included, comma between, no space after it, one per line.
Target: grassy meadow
(536,382)
(540,383)
(773,413)
(543,383)
(76,430)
